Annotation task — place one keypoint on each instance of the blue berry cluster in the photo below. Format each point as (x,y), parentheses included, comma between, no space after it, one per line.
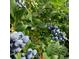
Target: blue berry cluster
(17,41)
(56,33)
(20,3)
(31,54)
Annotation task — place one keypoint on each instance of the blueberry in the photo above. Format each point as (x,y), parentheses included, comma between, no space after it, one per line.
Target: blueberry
(29,49)
(18,49)
(56,38)
(51,27)
(29,52)
(20,34)
(34,52)
(18,42)
(14,36)
(22,45)
(61,38)
(12,41)
(11,44)
(25,39)
(58,30)
(29,56)
(54,31)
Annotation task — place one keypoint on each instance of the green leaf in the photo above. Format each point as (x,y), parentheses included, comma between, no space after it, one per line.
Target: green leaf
(45,55)
(12,7)
(61,57)
(18,55)
(56,49)
(54,57)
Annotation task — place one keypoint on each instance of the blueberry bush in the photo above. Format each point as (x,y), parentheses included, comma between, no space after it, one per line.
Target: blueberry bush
(39,29)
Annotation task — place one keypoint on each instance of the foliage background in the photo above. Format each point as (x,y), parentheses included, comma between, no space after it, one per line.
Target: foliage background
(33,21)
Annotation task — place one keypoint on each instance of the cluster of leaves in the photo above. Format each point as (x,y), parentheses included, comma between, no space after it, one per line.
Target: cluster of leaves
(34,20)
(56,49)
